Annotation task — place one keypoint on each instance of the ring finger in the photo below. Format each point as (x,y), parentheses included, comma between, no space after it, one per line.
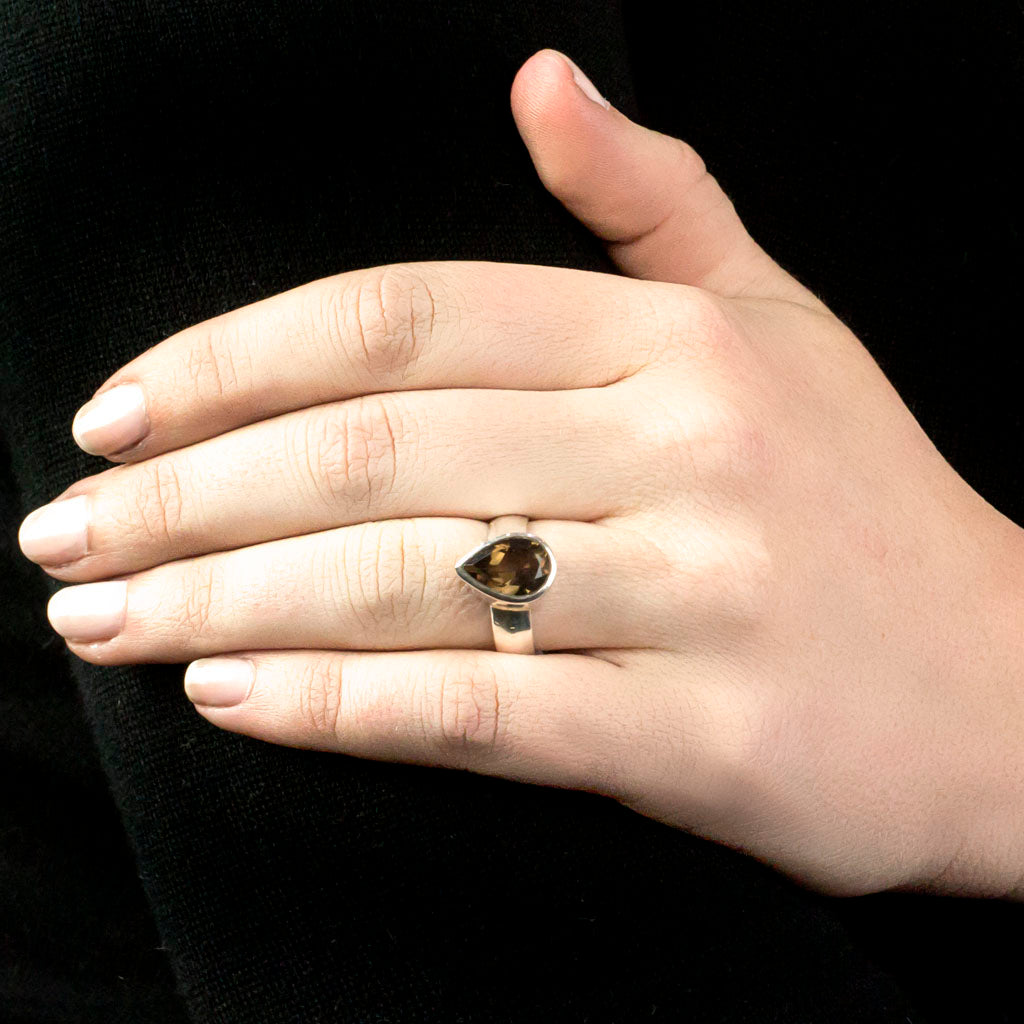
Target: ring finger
(375,586)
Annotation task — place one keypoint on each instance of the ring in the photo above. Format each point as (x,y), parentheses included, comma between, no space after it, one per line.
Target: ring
(512,568)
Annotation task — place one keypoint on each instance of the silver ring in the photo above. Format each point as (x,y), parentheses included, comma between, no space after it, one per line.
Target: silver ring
(512,568)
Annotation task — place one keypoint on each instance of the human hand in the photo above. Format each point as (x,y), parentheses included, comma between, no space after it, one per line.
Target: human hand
(781,620)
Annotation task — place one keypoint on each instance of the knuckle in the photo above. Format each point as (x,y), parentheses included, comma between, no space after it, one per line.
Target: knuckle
(404,573)
(351,451)
(743,728)
(391,315)
(689,167)
(382,581)
(464,713)
(715,451)
(319,691)
(215,364)
(202,594)
(691,174)
(701,327)
(730,577)
(159,501)
(733,446)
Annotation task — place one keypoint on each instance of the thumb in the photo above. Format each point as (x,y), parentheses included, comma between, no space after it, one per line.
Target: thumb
(647,195)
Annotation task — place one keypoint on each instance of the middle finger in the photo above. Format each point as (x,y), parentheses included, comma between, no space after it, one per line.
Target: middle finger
(472,453)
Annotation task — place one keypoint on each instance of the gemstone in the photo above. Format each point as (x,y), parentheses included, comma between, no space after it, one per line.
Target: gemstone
(513,567)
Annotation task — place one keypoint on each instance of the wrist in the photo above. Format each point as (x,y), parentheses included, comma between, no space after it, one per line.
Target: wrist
(985,762)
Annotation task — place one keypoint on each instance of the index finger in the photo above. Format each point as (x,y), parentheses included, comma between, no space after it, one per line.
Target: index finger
(396,327)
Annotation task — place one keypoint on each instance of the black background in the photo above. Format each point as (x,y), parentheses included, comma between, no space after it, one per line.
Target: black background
(164,162)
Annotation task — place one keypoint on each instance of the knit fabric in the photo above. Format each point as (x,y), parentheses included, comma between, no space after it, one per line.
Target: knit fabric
(168,161)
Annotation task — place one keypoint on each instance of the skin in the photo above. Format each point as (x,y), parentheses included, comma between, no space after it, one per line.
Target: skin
(781,620)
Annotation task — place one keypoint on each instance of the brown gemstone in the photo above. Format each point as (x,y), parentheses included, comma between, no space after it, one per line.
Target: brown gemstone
(516,567)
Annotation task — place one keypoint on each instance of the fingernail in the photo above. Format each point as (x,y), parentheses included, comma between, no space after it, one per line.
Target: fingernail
(112,421)
(56,533)
(90,611)
(219,682)
(586,86)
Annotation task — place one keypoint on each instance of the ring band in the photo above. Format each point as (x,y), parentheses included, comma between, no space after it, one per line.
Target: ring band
(507,524)
(512,568)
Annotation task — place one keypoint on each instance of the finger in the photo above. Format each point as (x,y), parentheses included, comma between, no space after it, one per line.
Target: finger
(392,328)
(648,195)
(562,719)
(377,586)
(469,453)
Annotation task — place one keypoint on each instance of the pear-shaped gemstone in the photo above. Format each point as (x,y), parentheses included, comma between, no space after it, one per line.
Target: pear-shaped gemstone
(513,567)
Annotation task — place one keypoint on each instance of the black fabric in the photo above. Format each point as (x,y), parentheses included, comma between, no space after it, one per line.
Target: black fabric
(167,161)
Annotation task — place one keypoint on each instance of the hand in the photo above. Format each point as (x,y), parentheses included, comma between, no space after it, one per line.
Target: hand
(781,620)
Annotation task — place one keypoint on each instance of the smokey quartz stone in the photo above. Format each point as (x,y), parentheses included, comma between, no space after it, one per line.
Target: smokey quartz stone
(509,567)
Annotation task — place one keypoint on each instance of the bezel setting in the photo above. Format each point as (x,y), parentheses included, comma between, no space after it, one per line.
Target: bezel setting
(498,599)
